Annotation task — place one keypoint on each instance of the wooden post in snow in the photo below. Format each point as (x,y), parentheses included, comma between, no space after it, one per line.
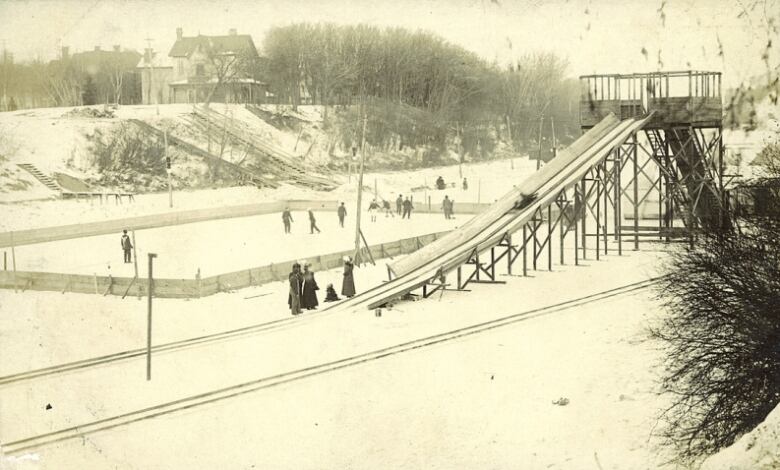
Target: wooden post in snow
(152,256)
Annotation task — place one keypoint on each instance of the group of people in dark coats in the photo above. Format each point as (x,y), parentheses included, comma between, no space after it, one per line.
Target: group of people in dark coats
(404,207)
(303,286)
(287,220)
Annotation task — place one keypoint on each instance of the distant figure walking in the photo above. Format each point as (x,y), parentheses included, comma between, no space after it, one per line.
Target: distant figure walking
(465,185)
(373,208)
(310,288)
(446,207)
(386,209)
(127,247)
(287,219)
(312,222)
(407,209)
(342,214)
(296,283)
(348,283)
(399,204)
(330,294)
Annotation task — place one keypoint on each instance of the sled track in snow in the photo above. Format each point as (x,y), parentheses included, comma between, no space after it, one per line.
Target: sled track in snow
(213,396)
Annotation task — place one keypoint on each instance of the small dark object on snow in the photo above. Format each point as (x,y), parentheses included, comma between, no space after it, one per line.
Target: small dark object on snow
(48,406)
(563,401)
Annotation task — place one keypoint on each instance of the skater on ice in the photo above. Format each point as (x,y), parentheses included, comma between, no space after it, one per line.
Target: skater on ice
(465,185)
(373,208)
(348,283)
(310,288)
(386,208)
(399,204)
(287,219)
(127,246)
(342,211)
(312,222)
(296,282)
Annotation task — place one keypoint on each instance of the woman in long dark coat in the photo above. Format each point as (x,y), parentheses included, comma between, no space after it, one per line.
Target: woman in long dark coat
(348,284)
(294,297)
(310,288)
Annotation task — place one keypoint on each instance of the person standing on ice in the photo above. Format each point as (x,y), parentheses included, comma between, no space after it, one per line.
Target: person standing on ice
(399,204)
(348,283)
(465,185)
(310,288)
(372,209)
(446,207)
(127,246)
(287,219)
(312,222)
(342,214)
(407,208)
(296,283)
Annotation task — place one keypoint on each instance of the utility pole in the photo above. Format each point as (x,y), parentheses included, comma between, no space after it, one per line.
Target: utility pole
(539,159)
(554,145)
(360,190)
(152,256)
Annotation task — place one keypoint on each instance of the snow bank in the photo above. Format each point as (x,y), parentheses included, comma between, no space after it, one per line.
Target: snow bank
(757,450)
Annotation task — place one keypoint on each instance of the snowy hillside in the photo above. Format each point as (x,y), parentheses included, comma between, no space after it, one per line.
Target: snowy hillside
(756,450)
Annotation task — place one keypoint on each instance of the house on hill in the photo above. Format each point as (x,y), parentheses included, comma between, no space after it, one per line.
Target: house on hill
(201,68)
(105,76)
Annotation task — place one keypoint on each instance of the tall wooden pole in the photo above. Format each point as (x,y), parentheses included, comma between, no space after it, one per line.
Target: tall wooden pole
(152,256)
(360,190)
(554,144)
(135,255)
(539,158)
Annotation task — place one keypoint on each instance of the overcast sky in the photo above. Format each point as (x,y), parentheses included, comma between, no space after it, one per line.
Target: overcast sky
(596,36)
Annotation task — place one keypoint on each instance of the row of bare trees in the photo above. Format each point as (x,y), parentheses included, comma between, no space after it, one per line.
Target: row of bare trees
(394,74)
(86,78)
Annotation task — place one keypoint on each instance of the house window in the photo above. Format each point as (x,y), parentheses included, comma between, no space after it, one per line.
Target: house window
(199,71)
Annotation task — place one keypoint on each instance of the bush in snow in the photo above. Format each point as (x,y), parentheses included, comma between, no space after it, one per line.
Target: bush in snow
(722,336)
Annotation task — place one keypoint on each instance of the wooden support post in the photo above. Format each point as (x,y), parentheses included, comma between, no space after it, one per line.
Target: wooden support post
(576,224)
(617,167)
(525,250)
(493,263)
(549,237)
(597,182)
(459,276)
(5,261)
(584,201)
(135,256)
(635,158)
(561,218)
(605,174)
(509,254)
(149,319)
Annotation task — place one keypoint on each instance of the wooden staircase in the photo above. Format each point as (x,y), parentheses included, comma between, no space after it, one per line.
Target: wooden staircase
(46,180)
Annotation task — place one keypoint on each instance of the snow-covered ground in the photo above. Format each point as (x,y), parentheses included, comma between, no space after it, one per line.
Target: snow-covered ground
(223,246)
(757,450)
(483,401)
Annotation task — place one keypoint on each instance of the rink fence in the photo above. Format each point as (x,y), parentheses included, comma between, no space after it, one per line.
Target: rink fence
(194,288)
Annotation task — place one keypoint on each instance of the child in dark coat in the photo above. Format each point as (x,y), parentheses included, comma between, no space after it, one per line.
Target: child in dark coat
(330,294)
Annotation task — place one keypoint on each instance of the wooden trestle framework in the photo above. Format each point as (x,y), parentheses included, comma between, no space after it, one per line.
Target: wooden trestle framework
(672,167)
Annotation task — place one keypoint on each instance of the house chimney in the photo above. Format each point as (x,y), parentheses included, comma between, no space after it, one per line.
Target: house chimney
(65,52)
(97,48)
(117,48)
(179,33)
(232,31)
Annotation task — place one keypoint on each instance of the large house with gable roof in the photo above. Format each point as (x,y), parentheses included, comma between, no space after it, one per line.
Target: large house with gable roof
(201,67)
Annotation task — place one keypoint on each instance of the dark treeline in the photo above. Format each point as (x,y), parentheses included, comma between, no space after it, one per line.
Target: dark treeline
(418,89)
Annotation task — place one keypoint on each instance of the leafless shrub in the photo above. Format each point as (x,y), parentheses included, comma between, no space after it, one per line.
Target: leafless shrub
(722,336)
